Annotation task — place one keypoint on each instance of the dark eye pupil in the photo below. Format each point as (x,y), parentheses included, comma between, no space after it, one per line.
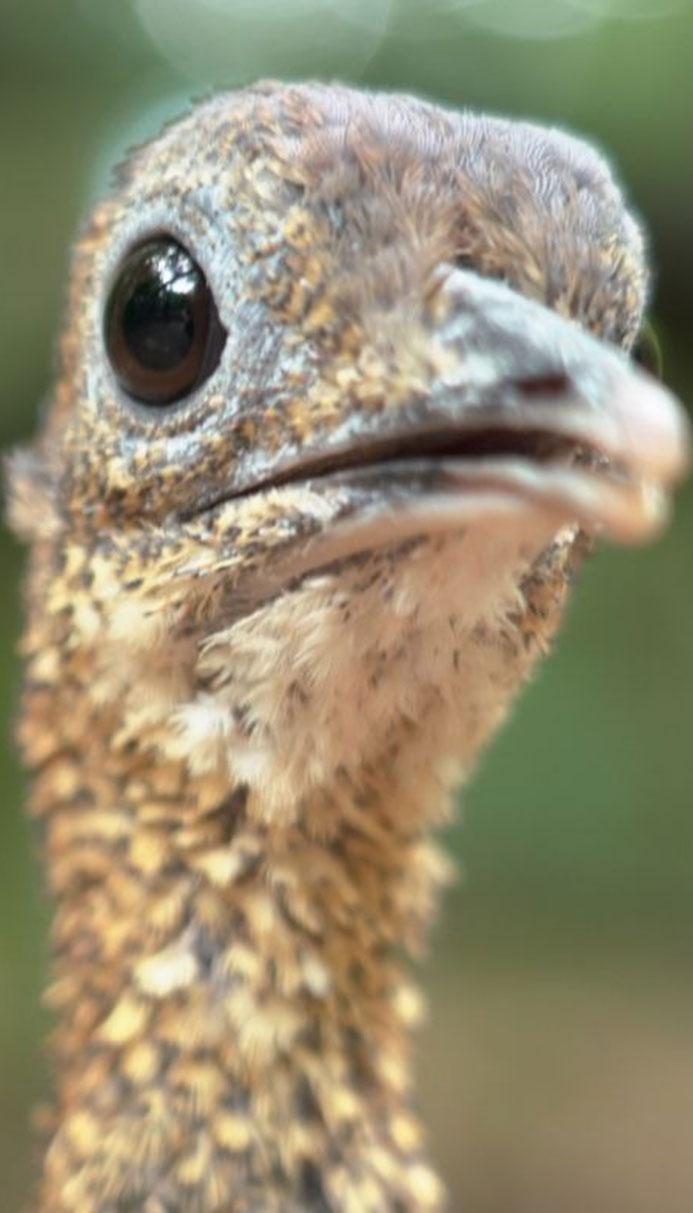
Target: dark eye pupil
(162,330)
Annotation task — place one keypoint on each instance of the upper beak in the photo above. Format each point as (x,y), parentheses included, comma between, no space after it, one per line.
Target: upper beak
(519,364)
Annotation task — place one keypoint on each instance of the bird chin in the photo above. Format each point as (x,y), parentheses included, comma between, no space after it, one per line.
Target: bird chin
(409,617)
(412,589)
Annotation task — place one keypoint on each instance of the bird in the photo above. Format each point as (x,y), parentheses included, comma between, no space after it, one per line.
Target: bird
(346,391)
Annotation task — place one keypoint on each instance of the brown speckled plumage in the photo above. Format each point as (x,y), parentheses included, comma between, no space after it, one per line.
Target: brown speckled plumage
(258,661)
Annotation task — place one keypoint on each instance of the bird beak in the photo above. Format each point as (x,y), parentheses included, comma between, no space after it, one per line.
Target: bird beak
(552,407)
(519,415)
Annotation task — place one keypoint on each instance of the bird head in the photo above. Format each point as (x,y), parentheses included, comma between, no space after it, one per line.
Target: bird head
(344,380)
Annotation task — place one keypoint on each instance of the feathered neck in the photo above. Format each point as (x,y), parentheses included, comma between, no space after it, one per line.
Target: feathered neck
(234,1013)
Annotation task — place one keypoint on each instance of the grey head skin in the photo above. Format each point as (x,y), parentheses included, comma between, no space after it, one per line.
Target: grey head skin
(344,394)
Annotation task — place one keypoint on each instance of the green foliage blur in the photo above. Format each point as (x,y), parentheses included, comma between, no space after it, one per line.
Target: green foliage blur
(557,1072)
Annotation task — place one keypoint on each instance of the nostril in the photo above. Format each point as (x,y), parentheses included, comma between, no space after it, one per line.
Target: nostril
(544,385)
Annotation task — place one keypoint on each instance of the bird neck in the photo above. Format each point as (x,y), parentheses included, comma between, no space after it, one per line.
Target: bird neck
(233,1015)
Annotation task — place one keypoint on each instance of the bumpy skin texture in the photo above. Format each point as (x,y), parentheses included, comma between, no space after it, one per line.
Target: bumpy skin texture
(236,772)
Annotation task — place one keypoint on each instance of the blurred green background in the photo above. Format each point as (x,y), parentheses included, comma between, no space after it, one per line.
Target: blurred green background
(557,1070)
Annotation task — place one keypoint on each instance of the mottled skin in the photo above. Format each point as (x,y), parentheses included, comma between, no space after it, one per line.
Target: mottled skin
(246,701)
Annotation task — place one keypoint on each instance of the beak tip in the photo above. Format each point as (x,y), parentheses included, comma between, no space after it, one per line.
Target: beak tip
(656,431)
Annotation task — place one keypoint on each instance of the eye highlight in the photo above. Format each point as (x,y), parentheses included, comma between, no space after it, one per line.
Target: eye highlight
(162,331)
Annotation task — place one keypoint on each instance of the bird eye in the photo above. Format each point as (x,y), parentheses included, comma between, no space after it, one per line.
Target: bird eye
(647,351)
(162,330)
